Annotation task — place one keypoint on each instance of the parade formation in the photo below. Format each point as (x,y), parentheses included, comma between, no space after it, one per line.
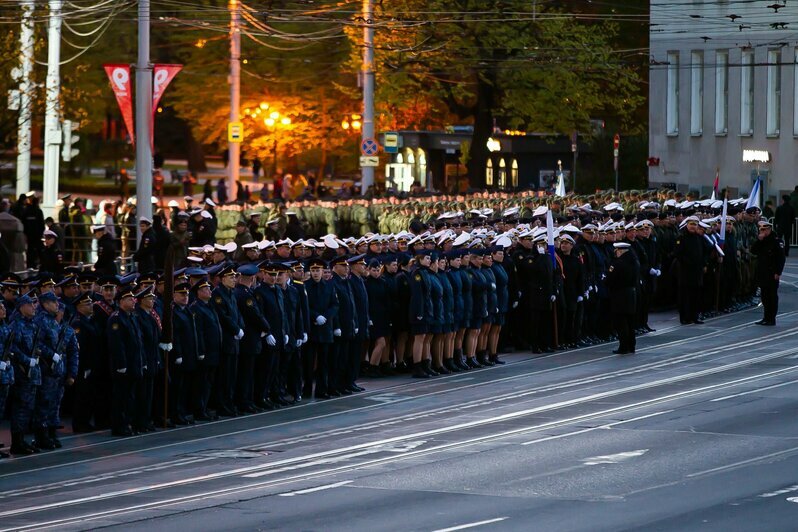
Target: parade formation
(213,324)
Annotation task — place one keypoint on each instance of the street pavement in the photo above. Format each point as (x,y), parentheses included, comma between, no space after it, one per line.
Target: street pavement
(697,430)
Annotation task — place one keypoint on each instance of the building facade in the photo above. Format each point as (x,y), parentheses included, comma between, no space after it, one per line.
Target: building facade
(723,95)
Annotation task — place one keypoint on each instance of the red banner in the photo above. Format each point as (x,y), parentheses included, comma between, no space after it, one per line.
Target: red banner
(119,75)
(162,76)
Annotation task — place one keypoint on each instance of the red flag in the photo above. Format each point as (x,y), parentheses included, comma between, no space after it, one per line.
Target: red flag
(716,186)
(119,75)
(162,75)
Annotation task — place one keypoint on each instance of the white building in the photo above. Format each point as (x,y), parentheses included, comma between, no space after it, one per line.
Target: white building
(724,90)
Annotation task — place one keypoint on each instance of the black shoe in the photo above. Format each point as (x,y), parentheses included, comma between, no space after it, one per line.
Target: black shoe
(123,433)
(458,362)
(80,429)
(203,417)
(334,393)
(374,372)
(357,388)
(418,371)
(650,329)
(42,442)
(427,367)
(441,370)
(619,352)
(226,412)
(322,396)
(51,433)
(472,363)
(449,364)
(483,360)
(346,391)
(496,360)
(699,322)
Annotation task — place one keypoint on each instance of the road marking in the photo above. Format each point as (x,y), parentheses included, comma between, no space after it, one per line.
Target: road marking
(616,458)
(398,386)
(792,499)
(743,462)
(471,525)
(757,390)
(313,490)
(591,429)
(782,491)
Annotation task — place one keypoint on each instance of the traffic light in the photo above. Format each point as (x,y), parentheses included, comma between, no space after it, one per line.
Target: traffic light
(69,140)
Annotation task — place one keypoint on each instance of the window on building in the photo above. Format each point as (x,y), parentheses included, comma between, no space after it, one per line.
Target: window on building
(774,92)
(514,174)
(722,93)
(672,98)
(747,93)
(502,174)
(489,173)
(696,93)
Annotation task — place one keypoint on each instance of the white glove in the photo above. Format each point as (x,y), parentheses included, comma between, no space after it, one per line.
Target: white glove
(271,341)
(304,338)
(56,358)
(240,334)
(299,343)
(493,286)
(659,272)
(86,374)
(321,320)
(371,323)
(553,299)
(603,276)
(179,360)
(121,371)
(3,365)
(201,357)
(356,330)
(337,332)
(262,334)
(515,304)
(285,340)
(33,362)
(579,299)
(165,347)
(652,271)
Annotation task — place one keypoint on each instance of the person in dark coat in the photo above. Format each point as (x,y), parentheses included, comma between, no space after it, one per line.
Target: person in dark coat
(162,239)
(267,367)
(784,220)
(502,277)
(345,331)
(211,331)
(379,299)
(298,277)
(106,251)
(52,257)
(127,361)
(144,256)
(255,326)
(770,253)
(419,310)
(357,267)
(224,303)
(623,279)
(150,325)
(291,364)
(187,353)
(323,312)
(692,257)
(574,290)
(88,339)
(33,222)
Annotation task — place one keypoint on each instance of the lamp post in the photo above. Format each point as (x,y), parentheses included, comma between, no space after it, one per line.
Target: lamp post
(272,122)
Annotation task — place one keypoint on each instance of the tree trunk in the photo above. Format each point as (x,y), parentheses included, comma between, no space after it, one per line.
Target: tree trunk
(483,127)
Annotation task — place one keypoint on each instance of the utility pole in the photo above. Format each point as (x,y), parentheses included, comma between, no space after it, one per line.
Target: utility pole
(234,147)
(367,172)
(143,117)
(25,97)
(52,110)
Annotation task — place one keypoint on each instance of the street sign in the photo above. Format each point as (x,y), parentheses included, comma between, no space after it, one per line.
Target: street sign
(369,160)
(235,132)
(391,143)
(369,147)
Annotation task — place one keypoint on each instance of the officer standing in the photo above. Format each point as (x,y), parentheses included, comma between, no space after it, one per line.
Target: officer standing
(6,364)
(323,310)
(255,327)
(28,377)
(770,254)
(622,281)
(186,354)
(88,339)
(692,256)
(267,367)
(345,331)
(50,344)
(150,324)
(145,254)
(211,331)
(106,251)
(224,303)
(357,267)
(127,361)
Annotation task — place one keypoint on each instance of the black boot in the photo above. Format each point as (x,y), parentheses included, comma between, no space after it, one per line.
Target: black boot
(53,437)
(472,363)
(449,364)
(496,360)
(374,372)
(459,362)
(418,371)
(482,358)
(19,446)
(428,368)
(41,441)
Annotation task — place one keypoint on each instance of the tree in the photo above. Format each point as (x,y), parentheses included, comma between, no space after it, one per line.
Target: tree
(507,63)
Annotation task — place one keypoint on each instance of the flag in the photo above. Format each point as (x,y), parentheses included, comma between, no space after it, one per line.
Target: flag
(119,75)
(560,190)
(754,198)
(550,237)
(723,222)
(162,75)
(716,185)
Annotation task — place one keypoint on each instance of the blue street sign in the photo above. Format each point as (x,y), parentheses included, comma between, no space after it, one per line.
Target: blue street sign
(369,147)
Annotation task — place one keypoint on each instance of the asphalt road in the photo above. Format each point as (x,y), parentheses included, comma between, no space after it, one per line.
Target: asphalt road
(696,431)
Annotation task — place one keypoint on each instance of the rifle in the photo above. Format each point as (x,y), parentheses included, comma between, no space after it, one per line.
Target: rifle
(6,354)
(34,350)
(59,345)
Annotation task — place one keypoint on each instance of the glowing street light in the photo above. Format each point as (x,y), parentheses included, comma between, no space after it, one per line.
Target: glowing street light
(269,122)
(285,121)
(264,105)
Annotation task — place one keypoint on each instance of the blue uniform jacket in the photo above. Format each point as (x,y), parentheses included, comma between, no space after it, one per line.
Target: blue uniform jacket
(254,321)
(347,310)
(211,331)
(224,302)
(124,340)
(322,301)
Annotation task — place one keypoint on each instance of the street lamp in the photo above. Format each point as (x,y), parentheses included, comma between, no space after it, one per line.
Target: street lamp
(353,121)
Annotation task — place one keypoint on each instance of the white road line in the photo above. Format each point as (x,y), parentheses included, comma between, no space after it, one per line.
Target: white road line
(744,462)
(471,525)
(591,429)
(757,390)
(314,490)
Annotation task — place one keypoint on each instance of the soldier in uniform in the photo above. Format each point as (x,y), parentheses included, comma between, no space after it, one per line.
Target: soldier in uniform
(88,341)
(770,255)
(10,290)
(27,374)
(255,327)
(6,364)
(267,367)
(52,257)
(145,254)
(210,329)
(50,345)
(101,377)
(291,374)
(357,268)
(691,255)
(345,330)
(322,312)
(187,353)
(419,310)
(623,280)
(126,352)
(150,325)
(106,251)
(224,303)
